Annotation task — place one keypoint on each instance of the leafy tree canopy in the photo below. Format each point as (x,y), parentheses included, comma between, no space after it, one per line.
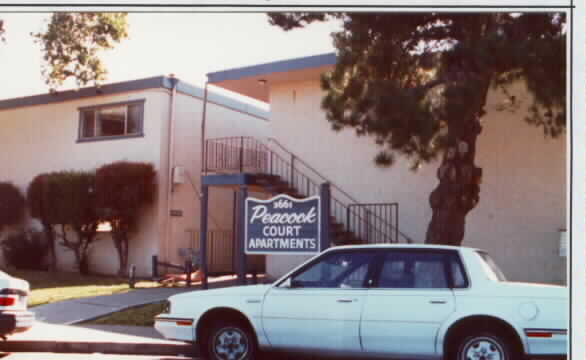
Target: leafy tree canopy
(72,43)
(412,80)
(418,84)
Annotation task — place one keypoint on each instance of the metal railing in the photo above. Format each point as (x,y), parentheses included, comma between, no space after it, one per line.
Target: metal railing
(235,154)
(382,220)
(221,254)
(248,154)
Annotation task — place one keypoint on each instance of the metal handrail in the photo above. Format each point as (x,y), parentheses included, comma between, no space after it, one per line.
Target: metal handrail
(275,164)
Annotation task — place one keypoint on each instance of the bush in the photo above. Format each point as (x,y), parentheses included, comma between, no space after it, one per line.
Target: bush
(122,189)
(36,198)
(26,250)
(12,205)
(66,199)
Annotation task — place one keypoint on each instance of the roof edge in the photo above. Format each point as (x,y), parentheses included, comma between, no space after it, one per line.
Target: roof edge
(132,85)
(273,67)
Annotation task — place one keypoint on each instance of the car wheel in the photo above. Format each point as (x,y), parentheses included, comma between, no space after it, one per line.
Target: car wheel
(485,346)
(231,341)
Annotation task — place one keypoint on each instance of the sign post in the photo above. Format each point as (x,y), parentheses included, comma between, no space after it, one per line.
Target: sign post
(283,225)
(325,194)
(243,199)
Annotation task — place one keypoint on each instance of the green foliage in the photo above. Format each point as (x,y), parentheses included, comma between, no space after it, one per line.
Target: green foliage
(67,199)
(39,208)
(34,197)
(417,83)
(411,81)
(26,250)
(73,41)
(12,205)
(122,189)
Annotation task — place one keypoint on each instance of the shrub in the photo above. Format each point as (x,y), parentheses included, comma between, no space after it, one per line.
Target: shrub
(12,205)
(66,200)
(122,189)
(36,197)
(71,195)
(26,250)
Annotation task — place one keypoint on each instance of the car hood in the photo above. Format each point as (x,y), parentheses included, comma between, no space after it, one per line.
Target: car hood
(246,290)
(9,282)
(520,289)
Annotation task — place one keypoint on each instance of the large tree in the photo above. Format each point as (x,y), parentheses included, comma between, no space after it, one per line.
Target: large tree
(418,84)
(72,42)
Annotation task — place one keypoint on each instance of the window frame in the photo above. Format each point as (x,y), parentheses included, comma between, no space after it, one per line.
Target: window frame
(369,272)
(446,265)
(96,108)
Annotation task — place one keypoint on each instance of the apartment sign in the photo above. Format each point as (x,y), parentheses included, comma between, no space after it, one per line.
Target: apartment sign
(282,225)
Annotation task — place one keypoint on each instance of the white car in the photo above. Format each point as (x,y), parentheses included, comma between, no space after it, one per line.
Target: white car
(394,301)
(14,316)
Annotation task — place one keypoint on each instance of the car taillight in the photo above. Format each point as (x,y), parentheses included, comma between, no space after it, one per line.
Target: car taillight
(7,301)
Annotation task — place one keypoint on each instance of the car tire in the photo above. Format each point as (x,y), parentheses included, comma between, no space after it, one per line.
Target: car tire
(484,345)
(230,340)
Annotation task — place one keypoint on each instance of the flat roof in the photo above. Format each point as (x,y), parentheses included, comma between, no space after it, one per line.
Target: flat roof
(164,82)
(251,80)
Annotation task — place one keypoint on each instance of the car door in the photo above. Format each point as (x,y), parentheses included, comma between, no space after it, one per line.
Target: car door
(409,300)
(318,307)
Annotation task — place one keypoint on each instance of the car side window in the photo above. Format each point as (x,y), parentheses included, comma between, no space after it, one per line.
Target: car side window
(336,270)
(413,270)
(458,276)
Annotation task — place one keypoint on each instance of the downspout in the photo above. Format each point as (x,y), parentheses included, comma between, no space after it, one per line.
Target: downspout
(203,130)
(170,159)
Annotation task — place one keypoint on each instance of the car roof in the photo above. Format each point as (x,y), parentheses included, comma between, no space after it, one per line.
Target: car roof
(405,246)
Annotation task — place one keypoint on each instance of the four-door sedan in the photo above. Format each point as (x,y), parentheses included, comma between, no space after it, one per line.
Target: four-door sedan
(14,316)
(394,301)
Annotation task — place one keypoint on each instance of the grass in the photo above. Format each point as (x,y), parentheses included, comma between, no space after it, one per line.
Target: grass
(48,287)
(137,316)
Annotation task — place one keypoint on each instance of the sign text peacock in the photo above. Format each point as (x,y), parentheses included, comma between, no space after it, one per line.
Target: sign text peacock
(282,225)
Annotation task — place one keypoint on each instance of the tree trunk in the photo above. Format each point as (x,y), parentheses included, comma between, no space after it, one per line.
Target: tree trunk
(459,178)
(50,237)
(121,243)
(457,192)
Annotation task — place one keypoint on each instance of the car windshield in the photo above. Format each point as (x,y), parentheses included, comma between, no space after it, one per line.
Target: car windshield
(490,267)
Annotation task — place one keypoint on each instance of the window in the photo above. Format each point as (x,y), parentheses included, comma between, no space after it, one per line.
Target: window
(336,270)
(459,279)
(413,270)
(111,121)
(491,269)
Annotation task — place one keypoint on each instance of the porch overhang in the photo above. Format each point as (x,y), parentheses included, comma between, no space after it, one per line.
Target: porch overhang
(254,81)
(253,182)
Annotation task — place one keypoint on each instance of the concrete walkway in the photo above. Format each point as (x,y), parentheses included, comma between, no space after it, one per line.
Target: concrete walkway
(78,310)
(50,333)
(70,312)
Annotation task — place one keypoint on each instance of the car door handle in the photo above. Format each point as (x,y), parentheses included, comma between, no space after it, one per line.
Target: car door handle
(344,300)
(438,301)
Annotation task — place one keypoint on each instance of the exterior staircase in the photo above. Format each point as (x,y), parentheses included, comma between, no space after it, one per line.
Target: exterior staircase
(279,171)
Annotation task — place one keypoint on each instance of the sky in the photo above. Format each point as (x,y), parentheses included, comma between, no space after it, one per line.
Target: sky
(188,45)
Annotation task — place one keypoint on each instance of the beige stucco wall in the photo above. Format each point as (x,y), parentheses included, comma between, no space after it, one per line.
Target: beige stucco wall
(522,201)
(221,121)
(43,138)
